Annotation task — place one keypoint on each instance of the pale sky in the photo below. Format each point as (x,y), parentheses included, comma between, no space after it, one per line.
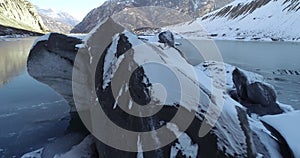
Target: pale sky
(77,8)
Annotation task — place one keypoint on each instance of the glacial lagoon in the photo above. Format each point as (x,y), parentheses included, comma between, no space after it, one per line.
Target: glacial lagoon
(32,114)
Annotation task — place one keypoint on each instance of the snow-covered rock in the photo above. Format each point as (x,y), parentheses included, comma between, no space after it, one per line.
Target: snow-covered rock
(231,134)
(258,97)
(167,37)
(153,93)
(286,125)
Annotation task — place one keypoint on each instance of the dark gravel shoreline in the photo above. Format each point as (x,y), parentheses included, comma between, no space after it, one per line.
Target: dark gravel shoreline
(10,32)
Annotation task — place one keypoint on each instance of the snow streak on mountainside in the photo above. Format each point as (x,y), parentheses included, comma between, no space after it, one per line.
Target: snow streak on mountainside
(255,20)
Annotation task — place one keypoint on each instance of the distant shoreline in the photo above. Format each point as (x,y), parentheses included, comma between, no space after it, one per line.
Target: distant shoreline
(11,32)
(251,39)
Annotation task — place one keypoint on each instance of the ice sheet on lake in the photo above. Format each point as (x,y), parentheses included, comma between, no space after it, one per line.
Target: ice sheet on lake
(35,154)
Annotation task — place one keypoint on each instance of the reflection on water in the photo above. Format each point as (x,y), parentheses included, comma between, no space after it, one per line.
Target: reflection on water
(31,114)
(14,62)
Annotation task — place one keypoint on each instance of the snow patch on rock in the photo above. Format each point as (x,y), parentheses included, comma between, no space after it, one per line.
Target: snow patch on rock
(42,38)
(184,145)
(286,125)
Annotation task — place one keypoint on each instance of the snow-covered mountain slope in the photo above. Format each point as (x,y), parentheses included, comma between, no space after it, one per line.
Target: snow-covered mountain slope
(58,15)
(125,69)
(55,25)
(57,21)
(255,20)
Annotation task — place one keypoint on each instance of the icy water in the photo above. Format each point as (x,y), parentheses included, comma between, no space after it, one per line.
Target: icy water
(31,114)
(278,62)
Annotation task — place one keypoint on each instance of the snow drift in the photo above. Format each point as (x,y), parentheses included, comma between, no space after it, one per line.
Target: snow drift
(267,20)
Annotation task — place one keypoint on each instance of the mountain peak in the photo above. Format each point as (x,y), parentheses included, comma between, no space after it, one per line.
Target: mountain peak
(58,15)
(57,21)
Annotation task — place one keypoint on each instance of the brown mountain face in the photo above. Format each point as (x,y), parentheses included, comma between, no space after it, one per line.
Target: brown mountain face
(134,14)
(20,14)
(149,17)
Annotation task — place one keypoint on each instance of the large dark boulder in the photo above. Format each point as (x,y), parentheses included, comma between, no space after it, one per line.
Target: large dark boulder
(100,69)
(231,135)
(51,62)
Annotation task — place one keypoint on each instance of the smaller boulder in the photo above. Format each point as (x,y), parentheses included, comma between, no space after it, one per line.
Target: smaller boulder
(257,97)
(167,37)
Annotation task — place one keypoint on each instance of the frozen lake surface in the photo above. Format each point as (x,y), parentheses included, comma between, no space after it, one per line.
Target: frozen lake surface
(278,62)
(32,114)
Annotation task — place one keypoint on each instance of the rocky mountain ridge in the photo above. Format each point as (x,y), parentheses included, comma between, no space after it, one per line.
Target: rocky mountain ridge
(20,14)
(190,8)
